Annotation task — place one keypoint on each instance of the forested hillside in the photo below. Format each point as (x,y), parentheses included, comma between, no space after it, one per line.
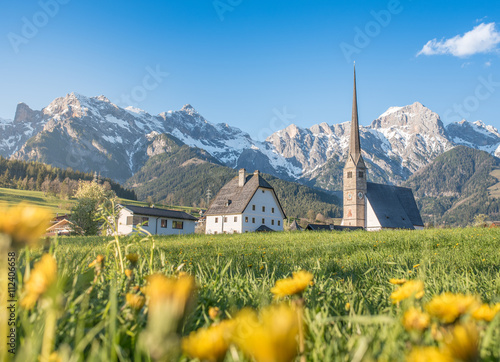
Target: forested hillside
(36,176)
(454,187)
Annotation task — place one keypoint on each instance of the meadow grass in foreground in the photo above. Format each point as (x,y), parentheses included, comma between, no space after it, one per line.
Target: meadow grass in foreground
(348,311)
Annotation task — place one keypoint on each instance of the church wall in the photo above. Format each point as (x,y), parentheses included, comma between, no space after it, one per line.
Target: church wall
(372,223)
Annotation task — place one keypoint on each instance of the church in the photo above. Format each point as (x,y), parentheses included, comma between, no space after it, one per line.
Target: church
(370,205)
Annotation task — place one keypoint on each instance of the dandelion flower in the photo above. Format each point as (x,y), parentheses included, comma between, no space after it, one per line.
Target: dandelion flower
(128,273)
(294,285)
(347,307)
(43,276)
(486,313)
(448,306)
(209,344)
(24,224)
(415,319)
(213,312)
(135,301)
(163,290)
(412,288)
(132,258)
(397,281)
(271,336)
(462,344)
(426,354)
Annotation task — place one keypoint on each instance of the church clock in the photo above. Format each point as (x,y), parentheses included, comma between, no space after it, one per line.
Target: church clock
(360,195)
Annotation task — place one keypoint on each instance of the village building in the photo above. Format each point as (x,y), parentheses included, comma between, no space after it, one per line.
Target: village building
(247,203)
(370,205)
(155,221)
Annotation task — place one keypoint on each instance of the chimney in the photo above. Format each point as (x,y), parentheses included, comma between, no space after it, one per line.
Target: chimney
(256,173)
(242,177)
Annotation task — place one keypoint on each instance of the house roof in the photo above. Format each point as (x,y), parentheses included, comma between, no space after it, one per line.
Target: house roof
(320,227)
(263,228)
(233,199)
(317,227)
(394,206)
(153,211)
(294,226)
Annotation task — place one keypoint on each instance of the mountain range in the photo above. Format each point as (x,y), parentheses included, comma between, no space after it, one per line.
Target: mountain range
(93,134)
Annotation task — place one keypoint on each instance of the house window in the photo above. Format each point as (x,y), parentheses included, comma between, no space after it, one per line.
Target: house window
(164,223)
(177,225)
(225,218)
(216,220)
(253,220)
(130,220)
(349,174)
(253,207)
(236,219)
(145,221)
(263,209)
(272,210)
(246,218)
(272,222)
(263,221)
(263,191)
(361,174)
(279,223)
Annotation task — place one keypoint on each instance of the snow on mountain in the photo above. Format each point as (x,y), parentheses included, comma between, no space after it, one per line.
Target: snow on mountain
(475,135)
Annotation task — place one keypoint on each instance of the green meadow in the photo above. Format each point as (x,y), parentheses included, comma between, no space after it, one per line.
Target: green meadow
(348,312)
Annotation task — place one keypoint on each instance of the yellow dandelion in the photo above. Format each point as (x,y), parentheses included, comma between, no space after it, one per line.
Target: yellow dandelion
(128,273)
(486,313)
(415,319)
(132,258)
(162,290)
(209,344)
(426,354)
(416,266)
(347,307)
(294,285)
(24,224)
(135,301)
(43,276)
(213,312)
(462,344)
(412,288)
(99,260)
(271,336)
(397,281)
(448,306)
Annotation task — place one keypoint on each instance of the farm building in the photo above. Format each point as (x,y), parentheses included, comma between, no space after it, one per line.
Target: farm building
(370,205)
(155,221)
(247,203)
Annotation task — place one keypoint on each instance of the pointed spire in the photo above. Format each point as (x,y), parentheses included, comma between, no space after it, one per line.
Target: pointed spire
(354,143)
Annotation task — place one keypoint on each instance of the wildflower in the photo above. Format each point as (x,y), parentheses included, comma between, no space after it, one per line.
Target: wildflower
(412,288)
(213,312)
(462,344)
(128,273)
(425,354)
(486,313)
(448,306)
(415,319)
(397,281)
(135,301)
(294,285)
(43,276)
(272,336)
(132,258)
(163,290)
(98,260)
(24,224)
(347,307)
(209,344)
(416,266)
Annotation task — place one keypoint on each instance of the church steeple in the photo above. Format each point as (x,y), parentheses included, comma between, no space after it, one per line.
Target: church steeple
(354,143)
(354,173)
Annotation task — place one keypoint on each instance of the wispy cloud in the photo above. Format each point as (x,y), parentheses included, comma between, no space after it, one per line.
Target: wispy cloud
(483,38)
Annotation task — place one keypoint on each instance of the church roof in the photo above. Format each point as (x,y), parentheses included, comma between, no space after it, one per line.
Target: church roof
(394,206)
(233,199)
(354,141)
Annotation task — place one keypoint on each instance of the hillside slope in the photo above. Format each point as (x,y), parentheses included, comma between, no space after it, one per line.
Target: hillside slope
(456,186)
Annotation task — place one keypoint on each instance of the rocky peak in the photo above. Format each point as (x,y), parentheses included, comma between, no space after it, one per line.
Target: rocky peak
(102,98)
(25,114)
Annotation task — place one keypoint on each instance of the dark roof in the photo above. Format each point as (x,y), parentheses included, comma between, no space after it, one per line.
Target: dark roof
(294,226)
(153,211)
(264,228)
(394,206)
(320,227)
(233,199)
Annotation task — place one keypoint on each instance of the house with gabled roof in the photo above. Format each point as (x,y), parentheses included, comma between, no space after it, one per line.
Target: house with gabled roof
(156,221)
(247,203)
(370,205)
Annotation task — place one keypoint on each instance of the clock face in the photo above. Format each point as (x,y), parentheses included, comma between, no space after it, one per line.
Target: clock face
(360,195)
(349,196)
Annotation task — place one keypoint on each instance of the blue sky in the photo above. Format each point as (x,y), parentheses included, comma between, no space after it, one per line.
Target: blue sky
(251,62)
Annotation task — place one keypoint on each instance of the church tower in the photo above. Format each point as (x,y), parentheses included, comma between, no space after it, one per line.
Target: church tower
(354,174)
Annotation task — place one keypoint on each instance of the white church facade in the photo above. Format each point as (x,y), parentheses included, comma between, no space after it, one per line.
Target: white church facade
(370,205)
(247,203)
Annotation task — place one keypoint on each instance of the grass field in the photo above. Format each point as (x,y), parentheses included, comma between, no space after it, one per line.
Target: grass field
(348,312)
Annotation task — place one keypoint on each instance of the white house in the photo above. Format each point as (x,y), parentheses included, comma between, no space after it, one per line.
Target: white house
(245,204)
(154,220)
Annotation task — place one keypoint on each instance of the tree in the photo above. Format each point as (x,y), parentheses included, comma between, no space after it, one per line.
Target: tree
(310,215)
(320,218)
(91,196)
(480,220)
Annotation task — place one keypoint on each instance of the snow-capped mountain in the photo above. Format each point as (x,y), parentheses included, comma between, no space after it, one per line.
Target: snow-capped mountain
(94,134)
